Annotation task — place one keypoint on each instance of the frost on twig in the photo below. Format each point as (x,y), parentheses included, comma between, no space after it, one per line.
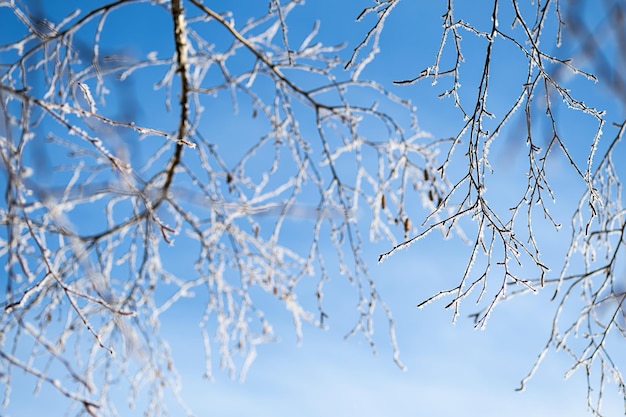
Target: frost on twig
(138,180)
(507,255)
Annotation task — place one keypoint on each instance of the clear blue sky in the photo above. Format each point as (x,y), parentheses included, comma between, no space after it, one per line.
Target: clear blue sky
(452,370)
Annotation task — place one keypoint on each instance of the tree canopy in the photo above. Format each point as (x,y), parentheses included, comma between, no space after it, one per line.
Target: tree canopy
(155,151)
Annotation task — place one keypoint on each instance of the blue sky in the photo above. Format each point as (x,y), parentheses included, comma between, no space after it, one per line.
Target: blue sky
(451,369)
